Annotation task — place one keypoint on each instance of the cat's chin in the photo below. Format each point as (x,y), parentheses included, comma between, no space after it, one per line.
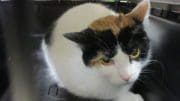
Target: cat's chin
(102,89)
(103,94)
(121,82)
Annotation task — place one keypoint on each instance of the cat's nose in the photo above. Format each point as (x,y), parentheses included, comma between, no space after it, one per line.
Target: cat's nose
(126,77)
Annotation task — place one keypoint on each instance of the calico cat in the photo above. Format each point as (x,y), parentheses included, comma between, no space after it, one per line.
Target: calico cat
(98,53)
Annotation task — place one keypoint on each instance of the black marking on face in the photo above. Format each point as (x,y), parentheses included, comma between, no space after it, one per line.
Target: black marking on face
(132,38)
(92,42)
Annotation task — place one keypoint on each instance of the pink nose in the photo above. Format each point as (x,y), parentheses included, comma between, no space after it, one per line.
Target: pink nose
(126,77)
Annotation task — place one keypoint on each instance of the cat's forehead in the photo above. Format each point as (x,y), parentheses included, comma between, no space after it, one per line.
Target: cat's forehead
(112,22)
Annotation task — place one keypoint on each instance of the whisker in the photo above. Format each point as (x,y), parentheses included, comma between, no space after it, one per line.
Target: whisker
(145,76)
(148,70)
(140,80)
(162,67)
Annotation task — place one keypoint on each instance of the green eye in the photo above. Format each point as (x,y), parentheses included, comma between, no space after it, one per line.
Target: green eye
(106,61)
(135,54)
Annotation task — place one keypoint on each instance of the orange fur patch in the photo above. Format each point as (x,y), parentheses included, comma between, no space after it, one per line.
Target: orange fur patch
(114,23)
(96,61)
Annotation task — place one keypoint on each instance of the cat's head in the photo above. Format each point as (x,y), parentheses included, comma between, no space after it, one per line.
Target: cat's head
(116,46)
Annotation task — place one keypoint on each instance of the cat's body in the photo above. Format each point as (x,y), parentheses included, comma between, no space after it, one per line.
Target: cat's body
(84,78)
(78,76)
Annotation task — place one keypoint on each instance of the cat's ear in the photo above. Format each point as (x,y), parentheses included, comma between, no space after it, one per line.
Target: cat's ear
(77,37)
(73,36)
(140,11)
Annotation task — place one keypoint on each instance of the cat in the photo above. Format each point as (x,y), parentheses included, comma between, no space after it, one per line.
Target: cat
(98,53)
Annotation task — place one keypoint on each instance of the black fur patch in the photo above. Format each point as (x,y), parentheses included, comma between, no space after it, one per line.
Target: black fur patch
(91,42)
(134,37)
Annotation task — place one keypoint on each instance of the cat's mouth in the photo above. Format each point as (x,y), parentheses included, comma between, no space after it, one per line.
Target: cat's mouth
(126,78)
(123,82)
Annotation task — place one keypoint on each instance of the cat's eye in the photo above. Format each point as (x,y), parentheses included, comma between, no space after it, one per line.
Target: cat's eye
(106,61)
(135,53)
